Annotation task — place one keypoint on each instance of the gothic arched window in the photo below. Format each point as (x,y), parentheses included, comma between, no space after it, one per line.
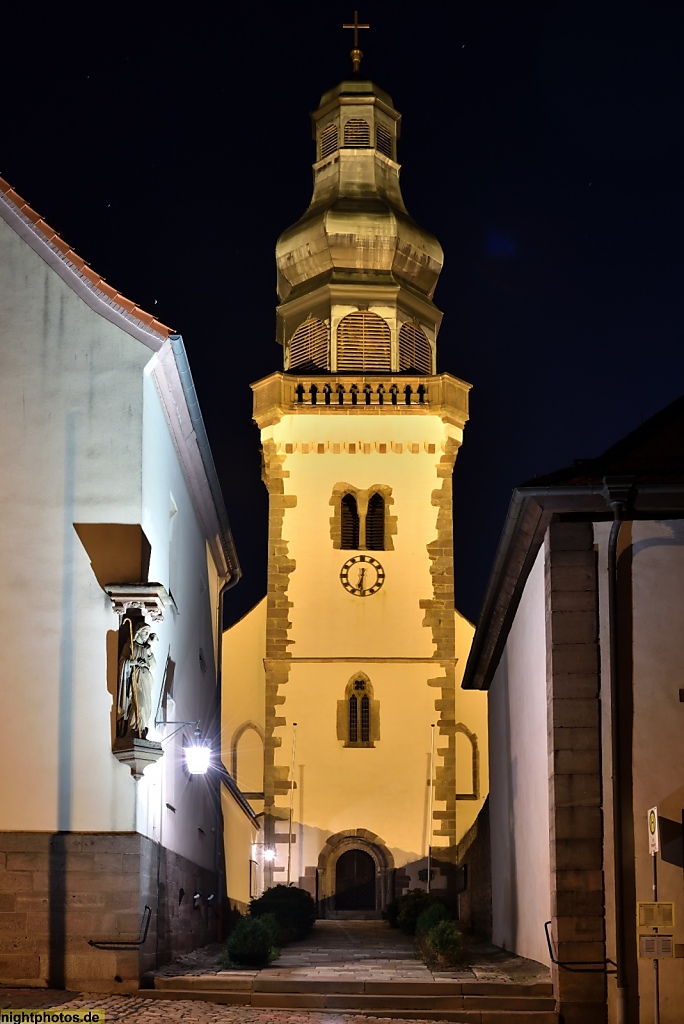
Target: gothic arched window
(308,348)
(350,522)
(359,724)
(375,523)
(363,343)
(357,133)
(415,354)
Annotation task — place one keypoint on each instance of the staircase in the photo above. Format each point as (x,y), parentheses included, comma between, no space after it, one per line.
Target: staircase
(463,1002)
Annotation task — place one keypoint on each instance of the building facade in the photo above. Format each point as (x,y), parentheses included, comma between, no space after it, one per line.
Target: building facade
(116,549)
(580,648)
(343,719)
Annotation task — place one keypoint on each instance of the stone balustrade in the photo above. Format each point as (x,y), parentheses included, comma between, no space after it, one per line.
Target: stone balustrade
(283,393)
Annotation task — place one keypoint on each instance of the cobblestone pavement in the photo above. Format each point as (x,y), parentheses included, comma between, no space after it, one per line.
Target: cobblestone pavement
(132,1010)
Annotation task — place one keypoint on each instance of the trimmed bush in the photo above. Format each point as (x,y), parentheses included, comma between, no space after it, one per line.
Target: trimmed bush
(443,946)
(293,908)
(251,943)
(428,918)
(411,906)
(391,913)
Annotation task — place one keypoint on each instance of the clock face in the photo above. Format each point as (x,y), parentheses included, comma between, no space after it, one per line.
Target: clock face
(362,575)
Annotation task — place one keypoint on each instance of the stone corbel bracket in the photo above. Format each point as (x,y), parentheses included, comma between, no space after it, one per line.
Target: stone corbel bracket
(137,754)
(150,599)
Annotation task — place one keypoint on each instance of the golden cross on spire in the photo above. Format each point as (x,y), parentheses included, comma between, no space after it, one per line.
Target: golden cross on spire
(356,54)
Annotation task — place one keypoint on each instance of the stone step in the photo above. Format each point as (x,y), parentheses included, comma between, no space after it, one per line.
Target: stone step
(479,1009)
(494,1003)
(259,982)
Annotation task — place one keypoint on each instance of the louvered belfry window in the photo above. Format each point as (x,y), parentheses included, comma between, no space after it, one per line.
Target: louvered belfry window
(415,354)
(375,524)
(349,522)
(357,133)
(309,346)
(328,140)
(363,343)
(383,140)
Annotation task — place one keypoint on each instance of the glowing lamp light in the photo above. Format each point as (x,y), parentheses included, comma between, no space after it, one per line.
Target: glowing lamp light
(269,854)
(197,757)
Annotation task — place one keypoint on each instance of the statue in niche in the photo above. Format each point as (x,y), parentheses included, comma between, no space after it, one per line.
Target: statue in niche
(134,691)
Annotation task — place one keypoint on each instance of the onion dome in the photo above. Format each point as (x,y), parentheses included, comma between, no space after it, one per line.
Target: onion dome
(356,275)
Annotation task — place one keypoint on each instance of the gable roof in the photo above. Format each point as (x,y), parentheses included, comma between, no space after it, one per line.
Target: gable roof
(171,371)
(649,460)
(39,231)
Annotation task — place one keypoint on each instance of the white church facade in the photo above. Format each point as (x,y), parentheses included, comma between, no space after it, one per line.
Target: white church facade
(343,718)
(112,520)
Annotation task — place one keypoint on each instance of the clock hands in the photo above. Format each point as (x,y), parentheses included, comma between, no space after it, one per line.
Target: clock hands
(362,573)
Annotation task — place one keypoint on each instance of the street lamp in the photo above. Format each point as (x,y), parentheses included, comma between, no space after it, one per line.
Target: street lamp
(197,755)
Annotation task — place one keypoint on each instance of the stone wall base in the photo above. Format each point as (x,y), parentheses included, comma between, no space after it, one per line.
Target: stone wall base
(59,892)
(473,855)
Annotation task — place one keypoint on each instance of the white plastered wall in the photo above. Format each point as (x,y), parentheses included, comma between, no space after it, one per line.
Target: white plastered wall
(657,642)
(70,452)
(84,440)
(519,801)
(186,630)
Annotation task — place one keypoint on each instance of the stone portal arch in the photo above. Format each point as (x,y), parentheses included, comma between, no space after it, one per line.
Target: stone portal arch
(343,842)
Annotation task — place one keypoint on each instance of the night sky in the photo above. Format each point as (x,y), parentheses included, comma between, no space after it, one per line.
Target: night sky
(542,142)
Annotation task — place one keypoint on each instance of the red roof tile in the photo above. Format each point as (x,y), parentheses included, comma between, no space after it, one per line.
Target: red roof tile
(65,250)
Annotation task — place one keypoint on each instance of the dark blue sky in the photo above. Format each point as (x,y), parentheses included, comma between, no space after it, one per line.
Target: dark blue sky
(542,142)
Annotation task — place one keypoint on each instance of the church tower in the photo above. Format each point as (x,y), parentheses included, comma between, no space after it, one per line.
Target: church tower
(342,718)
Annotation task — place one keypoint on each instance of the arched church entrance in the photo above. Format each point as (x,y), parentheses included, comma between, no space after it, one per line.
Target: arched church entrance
(355,881)
(355,875)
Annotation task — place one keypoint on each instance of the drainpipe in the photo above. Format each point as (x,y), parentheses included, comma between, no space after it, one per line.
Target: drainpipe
(617,490)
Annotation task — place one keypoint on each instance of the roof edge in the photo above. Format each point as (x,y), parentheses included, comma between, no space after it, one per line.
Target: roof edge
(530,513)
(77,273)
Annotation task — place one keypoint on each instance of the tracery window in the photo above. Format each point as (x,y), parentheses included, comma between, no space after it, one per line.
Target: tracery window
(360,725)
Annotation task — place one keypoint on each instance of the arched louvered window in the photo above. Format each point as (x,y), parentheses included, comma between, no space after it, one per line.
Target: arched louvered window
(415,354)
(357,133)
(328,140)
(363,343)
(383,140)
(375,523)
(350,522)
(309,346)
